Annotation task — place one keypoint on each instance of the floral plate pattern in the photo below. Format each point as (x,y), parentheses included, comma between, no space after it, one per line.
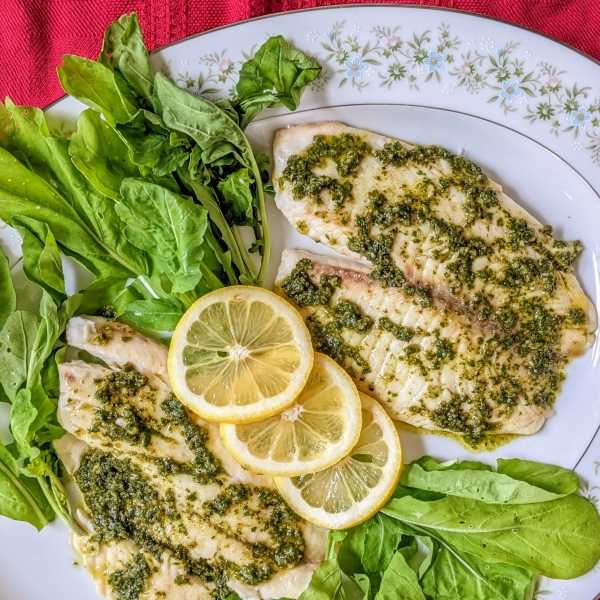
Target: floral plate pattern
(500,72)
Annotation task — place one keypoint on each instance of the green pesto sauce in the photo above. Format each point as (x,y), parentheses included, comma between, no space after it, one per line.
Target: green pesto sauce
(235,493)
(299,287)
(400,332)
(130,582)
(205,467)
(487,443)
(525,325)
(124,504)
(117,419)
(347,314)
(345,150)
(472,423)
(326,337)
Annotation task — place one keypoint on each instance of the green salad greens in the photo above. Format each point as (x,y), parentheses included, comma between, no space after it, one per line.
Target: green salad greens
(461,530)
(149,195)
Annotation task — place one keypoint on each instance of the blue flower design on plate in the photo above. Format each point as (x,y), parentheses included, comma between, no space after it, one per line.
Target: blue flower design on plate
(510,90)
(330,35)
(355,67)
(581,117)
(435,61)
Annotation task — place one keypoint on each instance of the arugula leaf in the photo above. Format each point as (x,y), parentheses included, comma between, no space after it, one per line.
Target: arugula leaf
(369,547)
(41,258)
(168,226)
(100,154)
(276,76)
(456,575)
(211,128)
(554,480)
(98,87)
(101,293)
(22,415)
(20,497)
(152,145)
(206,198)
(155,313)
(487,486)
(47,187)
(365,585)
(399,580)
(236,190)
(430,464)
(326,583)
(124,50)
(8,297)
(559,538)
(17,339)
(222,142)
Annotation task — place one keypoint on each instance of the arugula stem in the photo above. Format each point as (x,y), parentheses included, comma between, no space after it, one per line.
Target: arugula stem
(244,253)
(145,283)
(209,202)
(213,243)
(266,254)
(64,514)
(17,483)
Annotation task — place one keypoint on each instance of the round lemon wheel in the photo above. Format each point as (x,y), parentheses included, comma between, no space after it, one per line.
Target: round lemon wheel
(239,354)
(316,431)
(355,488)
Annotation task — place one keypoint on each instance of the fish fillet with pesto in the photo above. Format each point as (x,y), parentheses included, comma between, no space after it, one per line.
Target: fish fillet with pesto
(168,512)
(432,231)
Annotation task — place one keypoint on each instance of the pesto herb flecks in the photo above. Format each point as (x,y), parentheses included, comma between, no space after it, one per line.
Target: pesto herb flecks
(345,150)
(205,466)
(130,582)
(299,287)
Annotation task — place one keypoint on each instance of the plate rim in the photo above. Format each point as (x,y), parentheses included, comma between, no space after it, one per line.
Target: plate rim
(360,6)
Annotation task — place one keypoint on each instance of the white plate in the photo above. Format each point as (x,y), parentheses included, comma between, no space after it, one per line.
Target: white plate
(427,76)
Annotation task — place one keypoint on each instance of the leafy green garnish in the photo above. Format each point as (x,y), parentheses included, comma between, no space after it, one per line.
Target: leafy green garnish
(149,195)
(277,75)
(8,297)
(476,546)
(516,482)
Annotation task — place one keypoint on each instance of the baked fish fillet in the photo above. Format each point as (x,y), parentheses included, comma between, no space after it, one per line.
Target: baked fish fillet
(428,368)
(423,218)
(169,513)
(449,249)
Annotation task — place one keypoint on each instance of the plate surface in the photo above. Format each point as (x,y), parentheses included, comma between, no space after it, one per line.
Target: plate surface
(524,107)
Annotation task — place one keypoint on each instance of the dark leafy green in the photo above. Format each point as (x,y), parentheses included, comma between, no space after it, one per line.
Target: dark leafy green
(21,498)
(155,313)
(42,263)
(475,549)
(455,575)
(100,154)
(554,480)
(152,145)
(559,538)
(8,297)
(277,75)
(97,86)
(399,580)
(124,51)
(494,488)
(169,227)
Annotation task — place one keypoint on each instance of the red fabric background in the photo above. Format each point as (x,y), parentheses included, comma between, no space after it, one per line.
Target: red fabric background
(34,34)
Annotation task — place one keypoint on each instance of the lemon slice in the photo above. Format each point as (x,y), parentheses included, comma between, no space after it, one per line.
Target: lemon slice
(355,488)
(319,429)
(239,354)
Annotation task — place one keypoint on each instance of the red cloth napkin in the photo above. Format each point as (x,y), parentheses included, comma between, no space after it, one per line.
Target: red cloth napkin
(34,34)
